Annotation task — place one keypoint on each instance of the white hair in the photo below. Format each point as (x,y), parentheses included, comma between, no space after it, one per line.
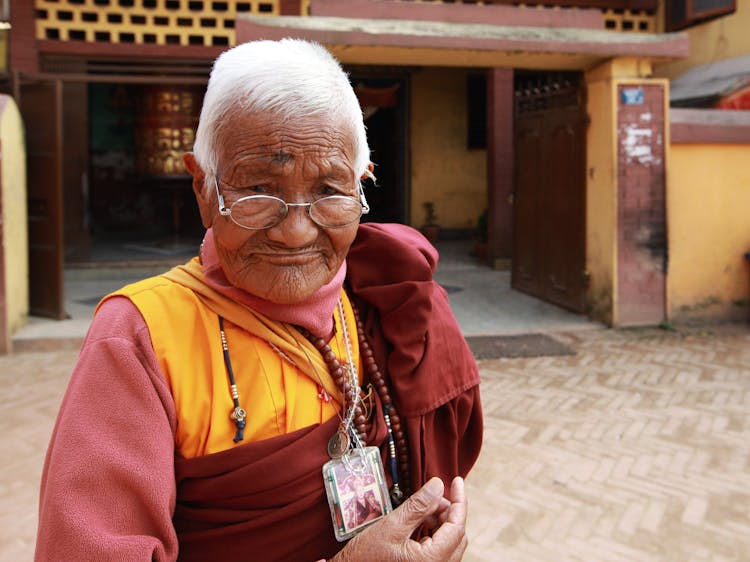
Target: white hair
(292,78)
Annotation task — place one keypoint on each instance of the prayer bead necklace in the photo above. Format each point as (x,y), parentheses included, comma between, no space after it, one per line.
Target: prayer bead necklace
(398,447)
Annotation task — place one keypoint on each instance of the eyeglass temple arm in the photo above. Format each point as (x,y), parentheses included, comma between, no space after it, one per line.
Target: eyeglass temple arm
(363,201)
(223,211)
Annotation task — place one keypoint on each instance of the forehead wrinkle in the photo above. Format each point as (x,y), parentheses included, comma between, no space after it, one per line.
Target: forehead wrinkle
(333,167)
(320,152)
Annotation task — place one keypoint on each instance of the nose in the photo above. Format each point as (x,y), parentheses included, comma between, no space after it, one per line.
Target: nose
(297,229)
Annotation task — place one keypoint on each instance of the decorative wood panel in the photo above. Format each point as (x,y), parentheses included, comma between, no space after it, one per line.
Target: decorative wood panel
(158,22)
(549,205)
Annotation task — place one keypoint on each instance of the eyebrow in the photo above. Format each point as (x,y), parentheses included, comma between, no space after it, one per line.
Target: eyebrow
(282,157)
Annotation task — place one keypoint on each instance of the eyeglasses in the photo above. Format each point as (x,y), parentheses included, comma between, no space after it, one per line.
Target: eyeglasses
(258,212)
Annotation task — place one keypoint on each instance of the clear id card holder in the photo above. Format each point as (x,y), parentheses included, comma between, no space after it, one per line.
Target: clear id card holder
(357,491)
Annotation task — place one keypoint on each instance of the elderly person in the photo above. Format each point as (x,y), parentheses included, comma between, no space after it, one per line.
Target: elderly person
(209,403)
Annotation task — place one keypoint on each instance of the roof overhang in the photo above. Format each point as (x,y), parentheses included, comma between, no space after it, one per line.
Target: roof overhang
(431,43)
(709,82)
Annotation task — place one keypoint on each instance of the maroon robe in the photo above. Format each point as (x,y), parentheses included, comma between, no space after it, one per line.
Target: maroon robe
(283,514)
(262,500)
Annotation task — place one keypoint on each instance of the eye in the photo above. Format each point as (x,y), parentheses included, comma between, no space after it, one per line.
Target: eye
(257,188)
(327,190)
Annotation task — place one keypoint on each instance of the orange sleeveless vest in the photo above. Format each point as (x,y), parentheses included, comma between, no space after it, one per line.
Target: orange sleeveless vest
(279,397)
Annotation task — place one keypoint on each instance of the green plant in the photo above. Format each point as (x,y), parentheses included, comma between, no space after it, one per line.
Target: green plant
(482,226)
(667,326)
(430,217)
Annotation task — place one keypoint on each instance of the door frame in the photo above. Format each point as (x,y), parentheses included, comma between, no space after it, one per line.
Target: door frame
(41,112)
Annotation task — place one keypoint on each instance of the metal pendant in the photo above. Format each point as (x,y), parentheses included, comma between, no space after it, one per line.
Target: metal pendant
(397,496)
(338,444)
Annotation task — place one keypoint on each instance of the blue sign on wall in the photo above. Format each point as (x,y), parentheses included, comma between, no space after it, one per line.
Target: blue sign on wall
(631,96)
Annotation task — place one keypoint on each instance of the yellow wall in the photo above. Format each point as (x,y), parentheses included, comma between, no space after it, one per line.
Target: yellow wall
(716,40)
(708,197)
(14,215)
(601,195)
(709,231)
(443,170)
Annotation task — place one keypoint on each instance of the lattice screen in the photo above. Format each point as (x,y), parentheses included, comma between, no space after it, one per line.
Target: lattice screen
(630,20)
(203,22)
(158,22)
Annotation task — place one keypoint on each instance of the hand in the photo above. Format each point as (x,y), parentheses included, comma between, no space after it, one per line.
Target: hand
(390,538)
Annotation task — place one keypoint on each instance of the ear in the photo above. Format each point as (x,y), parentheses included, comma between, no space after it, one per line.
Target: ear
(370,170)
(202,195)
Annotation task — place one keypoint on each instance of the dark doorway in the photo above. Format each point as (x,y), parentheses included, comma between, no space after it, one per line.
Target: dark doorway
(383,100)
(549,205)
(140,199)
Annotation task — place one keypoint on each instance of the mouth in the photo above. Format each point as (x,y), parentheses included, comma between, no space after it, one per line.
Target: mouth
(289,258)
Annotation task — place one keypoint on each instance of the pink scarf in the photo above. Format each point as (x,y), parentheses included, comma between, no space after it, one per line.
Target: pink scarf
(315,313)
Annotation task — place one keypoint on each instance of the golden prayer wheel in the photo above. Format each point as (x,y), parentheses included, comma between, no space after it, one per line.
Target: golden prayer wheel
(166,120)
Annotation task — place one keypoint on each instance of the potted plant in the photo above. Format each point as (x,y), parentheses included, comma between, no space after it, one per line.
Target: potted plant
(430,229)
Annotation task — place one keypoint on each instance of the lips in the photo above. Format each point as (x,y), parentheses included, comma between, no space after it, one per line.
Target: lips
(291,258)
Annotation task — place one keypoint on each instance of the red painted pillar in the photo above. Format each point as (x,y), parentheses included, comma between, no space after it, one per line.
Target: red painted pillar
(23,52)
(641,205)
(500,163)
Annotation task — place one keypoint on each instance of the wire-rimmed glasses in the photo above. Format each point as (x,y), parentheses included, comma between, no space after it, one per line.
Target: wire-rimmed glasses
(258,212)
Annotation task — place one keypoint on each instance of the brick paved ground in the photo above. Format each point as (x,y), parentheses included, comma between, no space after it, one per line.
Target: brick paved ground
(636,448)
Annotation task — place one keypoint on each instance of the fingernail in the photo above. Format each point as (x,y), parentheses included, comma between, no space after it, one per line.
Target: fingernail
(434,486)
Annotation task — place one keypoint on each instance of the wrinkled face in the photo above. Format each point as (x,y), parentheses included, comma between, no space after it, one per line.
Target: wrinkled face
(298,162)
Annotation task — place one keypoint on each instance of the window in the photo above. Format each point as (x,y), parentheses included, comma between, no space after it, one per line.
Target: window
(686,13)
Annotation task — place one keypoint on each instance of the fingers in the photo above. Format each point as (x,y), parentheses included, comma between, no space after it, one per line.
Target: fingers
(450,537)
(459,505)
(390,538)
(439,517)
(423,504)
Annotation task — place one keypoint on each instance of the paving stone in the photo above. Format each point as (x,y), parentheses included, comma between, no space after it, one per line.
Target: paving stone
(648,459)
(635,448)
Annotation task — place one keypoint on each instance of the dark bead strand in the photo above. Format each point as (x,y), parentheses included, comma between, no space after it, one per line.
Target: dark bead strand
(338,375)
(378,381)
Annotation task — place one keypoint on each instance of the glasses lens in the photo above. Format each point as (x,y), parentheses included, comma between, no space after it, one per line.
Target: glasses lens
(336,210)
(258,211)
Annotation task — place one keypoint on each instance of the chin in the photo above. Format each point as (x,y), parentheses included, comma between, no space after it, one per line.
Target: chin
(286,287)
(285,295)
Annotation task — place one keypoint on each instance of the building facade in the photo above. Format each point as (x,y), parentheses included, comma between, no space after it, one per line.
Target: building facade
(547,122)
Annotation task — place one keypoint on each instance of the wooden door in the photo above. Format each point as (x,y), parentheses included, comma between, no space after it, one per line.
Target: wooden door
(526,271)
(549,215)
(41,109)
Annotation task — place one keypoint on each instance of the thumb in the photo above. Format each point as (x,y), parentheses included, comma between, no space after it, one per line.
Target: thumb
(423,503)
